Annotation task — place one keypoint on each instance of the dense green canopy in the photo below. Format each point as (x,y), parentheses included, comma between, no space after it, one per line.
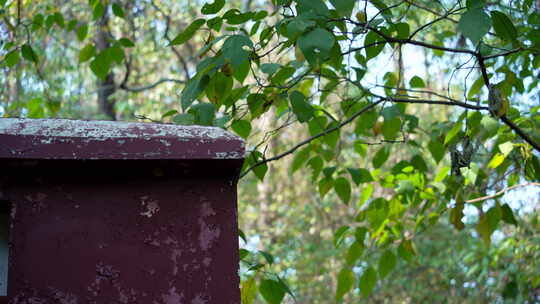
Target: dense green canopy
(393,145)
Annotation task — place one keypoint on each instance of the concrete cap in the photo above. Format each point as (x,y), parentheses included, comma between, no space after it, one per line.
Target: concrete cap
(79,139)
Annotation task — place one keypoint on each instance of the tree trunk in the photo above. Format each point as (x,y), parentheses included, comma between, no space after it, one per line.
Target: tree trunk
(107,86)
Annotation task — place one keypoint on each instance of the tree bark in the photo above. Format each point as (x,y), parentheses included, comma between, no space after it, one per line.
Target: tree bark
(107,86)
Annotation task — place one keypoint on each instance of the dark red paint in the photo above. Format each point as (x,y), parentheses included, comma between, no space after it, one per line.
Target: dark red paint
(100,228)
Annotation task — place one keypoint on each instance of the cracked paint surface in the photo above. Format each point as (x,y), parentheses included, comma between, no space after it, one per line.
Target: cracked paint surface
(78,139)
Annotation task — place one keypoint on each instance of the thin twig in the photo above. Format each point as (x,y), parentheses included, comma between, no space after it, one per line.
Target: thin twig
(520,132)
(485,198)
(312,138)
(150,86)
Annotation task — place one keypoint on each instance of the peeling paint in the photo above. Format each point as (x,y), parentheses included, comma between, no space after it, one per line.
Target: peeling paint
(172,297)
(105,129)
(207,261)
(87,139)
(199,299)
(152,206)
(64,297)
(208,234)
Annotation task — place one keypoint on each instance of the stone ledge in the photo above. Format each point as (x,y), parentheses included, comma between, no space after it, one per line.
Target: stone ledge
(78,139)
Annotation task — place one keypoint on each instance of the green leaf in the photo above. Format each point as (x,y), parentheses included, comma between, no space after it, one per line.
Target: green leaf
(368,280)
(185,119)
(234,49)
(343,189)
(28,53)
(475,4)
(437,150)
(282,75)
(35,108)
(373,44)
(267,256)
(453,132)
(365,194)
(316,7)
(219,86)
(476,87)
(116,53)
(507,215)
(387,263)
(302,109)
(391,128)
(383,9)
(169,113)
(82,31)
(235,17)
(242,235)
(339,235)
(87,52)
(300,159)
(325,184)
(204,113)
(242,128)
(506,148)
(419,163)
(380,157)
(59,19)
(101,65)
(71,25)
(117,10)
(316,45)
(503,26)
(241,72)
(12,58)
(360,175)
(213,8)
(270,68)
(345,283)
(193,89)
(406,250)
(272,291)
(344,7)
(496,161)
(215,23)
(484,230)
(253,158)
(37,22)
(248,291)
(403,30)
(220,122)
(298,26)
(98,11)
(188,32)
(474,24)
(511,290)
(354,253)
(126,42)
(417,82)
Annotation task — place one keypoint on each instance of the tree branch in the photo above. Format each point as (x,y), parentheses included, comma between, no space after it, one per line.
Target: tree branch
(150,86)
(520,133)
(485,198)
(312,138)
(438,102)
